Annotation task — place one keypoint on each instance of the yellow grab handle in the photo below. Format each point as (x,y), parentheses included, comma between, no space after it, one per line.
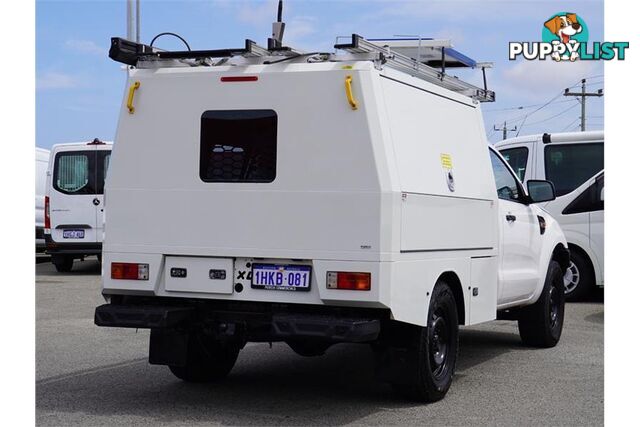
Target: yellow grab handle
(132,91)
(347,87)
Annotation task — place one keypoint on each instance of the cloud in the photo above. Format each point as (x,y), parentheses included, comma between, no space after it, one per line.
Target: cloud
(258,15)
(298,28)
(54,80)
(85,46)
(539,79)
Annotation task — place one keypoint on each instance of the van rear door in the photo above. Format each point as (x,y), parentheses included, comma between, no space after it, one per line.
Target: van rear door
(73,196)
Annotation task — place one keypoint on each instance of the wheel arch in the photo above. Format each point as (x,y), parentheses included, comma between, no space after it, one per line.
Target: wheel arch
(579,249)
(452,279)
(561,255)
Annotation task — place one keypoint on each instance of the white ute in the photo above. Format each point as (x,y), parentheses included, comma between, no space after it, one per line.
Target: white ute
(571,160)
(268,195)
(74,204)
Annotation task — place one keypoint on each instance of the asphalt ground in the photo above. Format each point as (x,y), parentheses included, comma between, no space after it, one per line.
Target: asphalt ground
(86,375)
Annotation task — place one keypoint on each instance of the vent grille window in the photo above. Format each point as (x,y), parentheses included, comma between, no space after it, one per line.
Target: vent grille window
(238,146)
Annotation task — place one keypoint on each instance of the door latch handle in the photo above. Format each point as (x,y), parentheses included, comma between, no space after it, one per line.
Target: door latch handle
(511,218)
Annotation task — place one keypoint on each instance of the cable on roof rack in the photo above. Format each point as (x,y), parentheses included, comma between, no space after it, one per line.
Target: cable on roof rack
(167,33)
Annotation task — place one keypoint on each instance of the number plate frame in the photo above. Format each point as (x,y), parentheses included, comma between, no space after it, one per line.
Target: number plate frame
(285,270)
(73,234)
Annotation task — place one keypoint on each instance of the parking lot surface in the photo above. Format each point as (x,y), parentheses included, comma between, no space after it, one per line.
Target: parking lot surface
(100,376)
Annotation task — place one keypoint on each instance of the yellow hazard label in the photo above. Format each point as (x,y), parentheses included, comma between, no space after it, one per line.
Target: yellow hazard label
(445,159)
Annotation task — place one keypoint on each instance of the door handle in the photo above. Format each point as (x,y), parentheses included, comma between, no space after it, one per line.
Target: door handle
(511,218)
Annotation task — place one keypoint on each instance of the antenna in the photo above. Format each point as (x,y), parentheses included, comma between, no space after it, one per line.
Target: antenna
(133,20)
(275,41)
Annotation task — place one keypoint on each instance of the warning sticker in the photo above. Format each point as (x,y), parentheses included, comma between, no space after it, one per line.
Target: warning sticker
(445,159)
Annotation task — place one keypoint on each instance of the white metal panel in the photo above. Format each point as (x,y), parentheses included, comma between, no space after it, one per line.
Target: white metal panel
(198,278)
(484,275)
(326,195)
(432,223)
(425,125)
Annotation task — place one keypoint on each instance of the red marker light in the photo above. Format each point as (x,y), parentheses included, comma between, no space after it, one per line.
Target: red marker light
(239,79)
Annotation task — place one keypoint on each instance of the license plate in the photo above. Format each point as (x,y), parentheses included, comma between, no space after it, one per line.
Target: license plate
(281,277)
(73,234)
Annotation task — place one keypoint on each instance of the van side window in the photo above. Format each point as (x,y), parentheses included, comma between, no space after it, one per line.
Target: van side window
(238,146)
(517,159)
(589,200)
(568,166)
(73,173)
(103,157)
(506,183)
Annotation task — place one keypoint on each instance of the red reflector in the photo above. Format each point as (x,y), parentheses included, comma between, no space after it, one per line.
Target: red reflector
(129,271)
(239,79)
(47,217)
(349,280)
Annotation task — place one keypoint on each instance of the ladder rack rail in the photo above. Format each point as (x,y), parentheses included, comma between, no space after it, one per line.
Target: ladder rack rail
(417,69)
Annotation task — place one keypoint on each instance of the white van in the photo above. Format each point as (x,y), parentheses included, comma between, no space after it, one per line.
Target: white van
(317,199)
(569,160)
(74,206)
(42,162)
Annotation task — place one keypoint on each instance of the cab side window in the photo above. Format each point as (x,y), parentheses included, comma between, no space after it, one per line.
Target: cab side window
(506,183)
(517,159)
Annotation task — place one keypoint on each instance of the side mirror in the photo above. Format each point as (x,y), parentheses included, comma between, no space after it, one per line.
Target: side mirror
(540,191)
(602,195)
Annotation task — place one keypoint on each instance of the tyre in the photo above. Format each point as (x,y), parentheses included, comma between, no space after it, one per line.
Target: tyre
(308,348)
(207,359)
(540,324)
(433,350)
(63,264)
(579,279)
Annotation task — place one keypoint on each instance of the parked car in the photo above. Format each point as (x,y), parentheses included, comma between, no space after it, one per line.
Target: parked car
(569,160)
(74,203)
(42,161)
(240,211)
(581,216)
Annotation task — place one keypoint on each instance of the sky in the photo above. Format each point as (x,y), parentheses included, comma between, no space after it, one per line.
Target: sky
(79,90)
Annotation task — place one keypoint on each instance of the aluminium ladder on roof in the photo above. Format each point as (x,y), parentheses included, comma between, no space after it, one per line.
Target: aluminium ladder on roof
(401,62)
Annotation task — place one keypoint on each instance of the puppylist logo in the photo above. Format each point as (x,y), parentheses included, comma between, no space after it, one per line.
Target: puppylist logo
(565,37)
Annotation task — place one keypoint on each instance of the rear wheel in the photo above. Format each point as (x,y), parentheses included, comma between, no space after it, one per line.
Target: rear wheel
(540,324)
(208,360)
(578,279)
(63,264)
(433,350)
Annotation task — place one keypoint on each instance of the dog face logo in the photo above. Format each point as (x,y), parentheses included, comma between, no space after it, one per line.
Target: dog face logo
(565,28)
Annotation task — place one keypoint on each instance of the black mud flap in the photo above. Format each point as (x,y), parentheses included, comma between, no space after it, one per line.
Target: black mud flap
(150,317)
(168,347)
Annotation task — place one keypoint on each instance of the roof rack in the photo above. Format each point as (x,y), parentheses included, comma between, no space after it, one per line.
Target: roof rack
(389,52)
(128,52)
(392,53)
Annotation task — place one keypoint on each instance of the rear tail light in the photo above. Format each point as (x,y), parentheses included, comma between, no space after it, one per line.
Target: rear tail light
(47,218)
(129,271)
(349,280)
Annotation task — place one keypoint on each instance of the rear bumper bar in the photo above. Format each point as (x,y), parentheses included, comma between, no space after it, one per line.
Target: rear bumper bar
(75,248)
(267,327)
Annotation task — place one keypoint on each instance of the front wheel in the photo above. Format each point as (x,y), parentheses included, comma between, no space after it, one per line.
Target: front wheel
(540,324)
(433,349)
(208,360)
